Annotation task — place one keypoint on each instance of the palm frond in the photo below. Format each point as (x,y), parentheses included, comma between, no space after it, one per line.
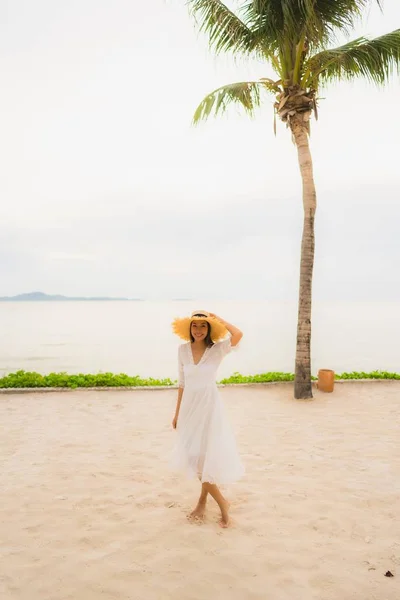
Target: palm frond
(278,24)
(326,18)
(225,30)
(266,18)
(247,93)
(318,20)
(374,60)
(339,14)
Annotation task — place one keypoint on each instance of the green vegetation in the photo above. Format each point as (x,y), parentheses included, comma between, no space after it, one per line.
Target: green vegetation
(275,377)
(24,379)
(372,375)
(261,378)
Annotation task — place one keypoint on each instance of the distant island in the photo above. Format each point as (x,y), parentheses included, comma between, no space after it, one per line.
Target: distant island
(41,297)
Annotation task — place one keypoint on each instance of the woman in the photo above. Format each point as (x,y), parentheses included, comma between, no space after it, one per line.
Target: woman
(205,447)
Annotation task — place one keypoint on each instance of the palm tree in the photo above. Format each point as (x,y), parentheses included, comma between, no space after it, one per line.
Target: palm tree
(294,37)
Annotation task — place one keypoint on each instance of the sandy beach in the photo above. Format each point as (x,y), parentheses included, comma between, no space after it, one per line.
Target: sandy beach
(89,509)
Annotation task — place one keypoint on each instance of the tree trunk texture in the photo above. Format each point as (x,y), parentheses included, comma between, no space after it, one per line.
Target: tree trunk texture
(302,382)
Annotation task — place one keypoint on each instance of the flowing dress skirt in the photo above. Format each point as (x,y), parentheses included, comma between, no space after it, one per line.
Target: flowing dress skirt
(206,447)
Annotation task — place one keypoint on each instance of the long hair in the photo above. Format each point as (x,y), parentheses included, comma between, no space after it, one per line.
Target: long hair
(208,340)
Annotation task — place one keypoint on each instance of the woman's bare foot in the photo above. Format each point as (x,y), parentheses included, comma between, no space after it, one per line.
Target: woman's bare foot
(225,521)
(199,512)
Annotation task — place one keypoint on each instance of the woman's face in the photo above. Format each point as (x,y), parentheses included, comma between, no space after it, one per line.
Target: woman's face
(199,330)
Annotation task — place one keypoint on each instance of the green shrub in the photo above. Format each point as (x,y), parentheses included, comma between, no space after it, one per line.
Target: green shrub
(261,378)
(371,375)
(26,379)
(23,379)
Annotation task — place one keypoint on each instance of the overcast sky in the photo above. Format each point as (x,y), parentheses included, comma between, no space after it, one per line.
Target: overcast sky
(107,189)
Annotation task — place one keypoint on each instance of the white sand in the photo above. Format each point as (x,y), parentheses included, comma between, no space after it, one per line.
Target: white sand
(89,510)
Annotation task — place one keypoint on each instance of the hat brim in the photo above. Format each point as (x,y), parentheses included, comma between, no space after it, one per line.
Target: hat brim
(182,328)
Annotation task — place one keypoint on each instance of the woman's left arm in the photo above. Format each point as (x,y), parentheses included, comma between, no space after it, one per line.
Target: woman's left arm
(236,334)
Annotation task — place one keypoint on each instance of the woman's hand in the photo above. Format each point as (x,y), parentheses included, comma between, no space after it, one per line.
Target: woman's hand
(234,331)
(213,316)
(175,422)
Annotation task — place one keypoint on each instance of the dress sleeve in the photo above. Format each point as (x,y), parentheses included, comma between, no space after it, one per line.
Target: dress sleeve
(181,376)
(225,347)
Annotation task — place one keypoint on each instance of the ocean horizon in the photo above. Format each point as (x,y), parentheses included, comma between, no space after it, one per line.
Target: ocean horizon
(136,337)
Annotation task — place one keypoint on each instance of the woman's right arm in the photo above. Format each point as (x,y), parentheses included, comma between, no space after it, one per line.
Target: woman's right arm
(178,406)
(181,383)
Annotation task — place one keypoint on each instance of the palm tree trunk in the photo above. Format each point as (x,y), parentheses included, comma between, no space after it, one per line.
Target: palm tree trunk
(302,382)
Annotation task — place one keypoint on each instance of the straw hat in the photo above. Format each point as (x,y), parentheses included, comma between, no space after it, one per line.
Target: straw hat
(182,326)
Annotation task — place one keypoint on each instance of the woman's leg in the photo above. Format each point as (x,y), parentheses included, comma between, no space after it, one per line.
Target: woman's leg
(223,504)
(201,504)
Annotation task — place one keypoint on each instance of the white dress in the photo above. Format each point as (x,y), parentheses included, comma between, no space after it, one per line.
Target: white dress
(205,447)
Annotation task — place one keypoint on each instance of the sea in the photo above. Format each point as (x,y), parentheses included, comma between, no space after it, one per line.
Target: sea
(135,337)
